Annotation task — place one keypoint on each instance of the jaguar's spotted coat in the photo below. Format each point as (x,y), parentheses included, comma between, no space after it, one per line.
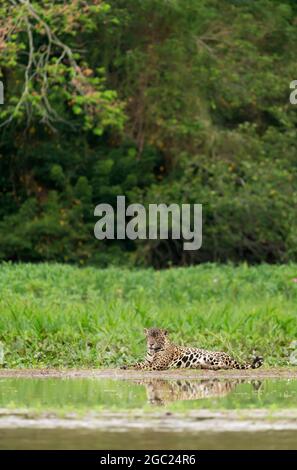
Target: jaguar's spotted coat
(162,354)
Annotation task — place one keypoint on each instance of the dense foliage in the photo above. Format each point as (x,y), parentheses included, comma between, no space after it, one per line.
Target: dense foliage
(159,100)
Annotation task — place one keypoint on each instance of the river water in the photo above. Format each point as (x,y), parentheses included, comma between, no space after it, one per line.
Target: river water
(101,413)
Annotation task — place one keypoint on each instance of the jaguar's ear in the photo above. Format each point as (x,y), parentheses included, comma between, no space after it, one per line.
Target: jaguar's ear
(165,332)
(145,330)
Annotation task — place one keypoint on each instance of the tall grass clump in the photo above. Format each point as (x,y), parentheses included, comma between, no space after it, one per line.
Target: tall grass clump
(58,315)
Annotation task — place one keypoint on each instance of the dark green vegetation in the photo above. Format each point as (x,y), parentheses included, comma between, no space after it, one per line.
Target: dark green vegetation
(57,315)
(160,100)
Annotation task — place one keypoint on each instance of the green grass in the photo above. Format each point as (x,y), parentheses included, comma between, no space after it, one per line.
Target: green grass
(58,315)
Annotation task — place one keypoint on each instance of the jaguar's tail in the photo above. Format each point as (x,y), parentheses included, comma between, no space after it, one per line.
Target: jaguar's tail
(257,362)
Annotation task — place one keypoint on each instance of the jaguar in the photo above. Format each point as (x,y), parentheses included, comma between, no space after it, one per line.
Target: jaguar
(162,354)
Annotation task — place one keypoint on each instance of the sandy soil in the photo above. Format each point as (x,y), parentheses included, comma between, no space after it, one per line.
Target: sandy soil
(203,420)
(263,373)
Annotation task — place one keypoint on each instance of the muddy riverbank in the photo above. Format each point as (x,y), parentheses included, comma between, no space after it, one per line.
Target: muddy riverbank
(263,373)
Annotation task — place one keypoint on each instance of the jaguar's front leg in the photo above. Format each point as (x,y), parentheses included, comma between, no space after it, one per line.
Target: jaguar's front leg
(138,366)
(146,365)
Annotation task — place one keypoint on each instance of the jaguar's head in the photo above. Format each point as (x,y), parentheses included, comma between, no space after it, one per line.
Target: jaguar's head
(156,339)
